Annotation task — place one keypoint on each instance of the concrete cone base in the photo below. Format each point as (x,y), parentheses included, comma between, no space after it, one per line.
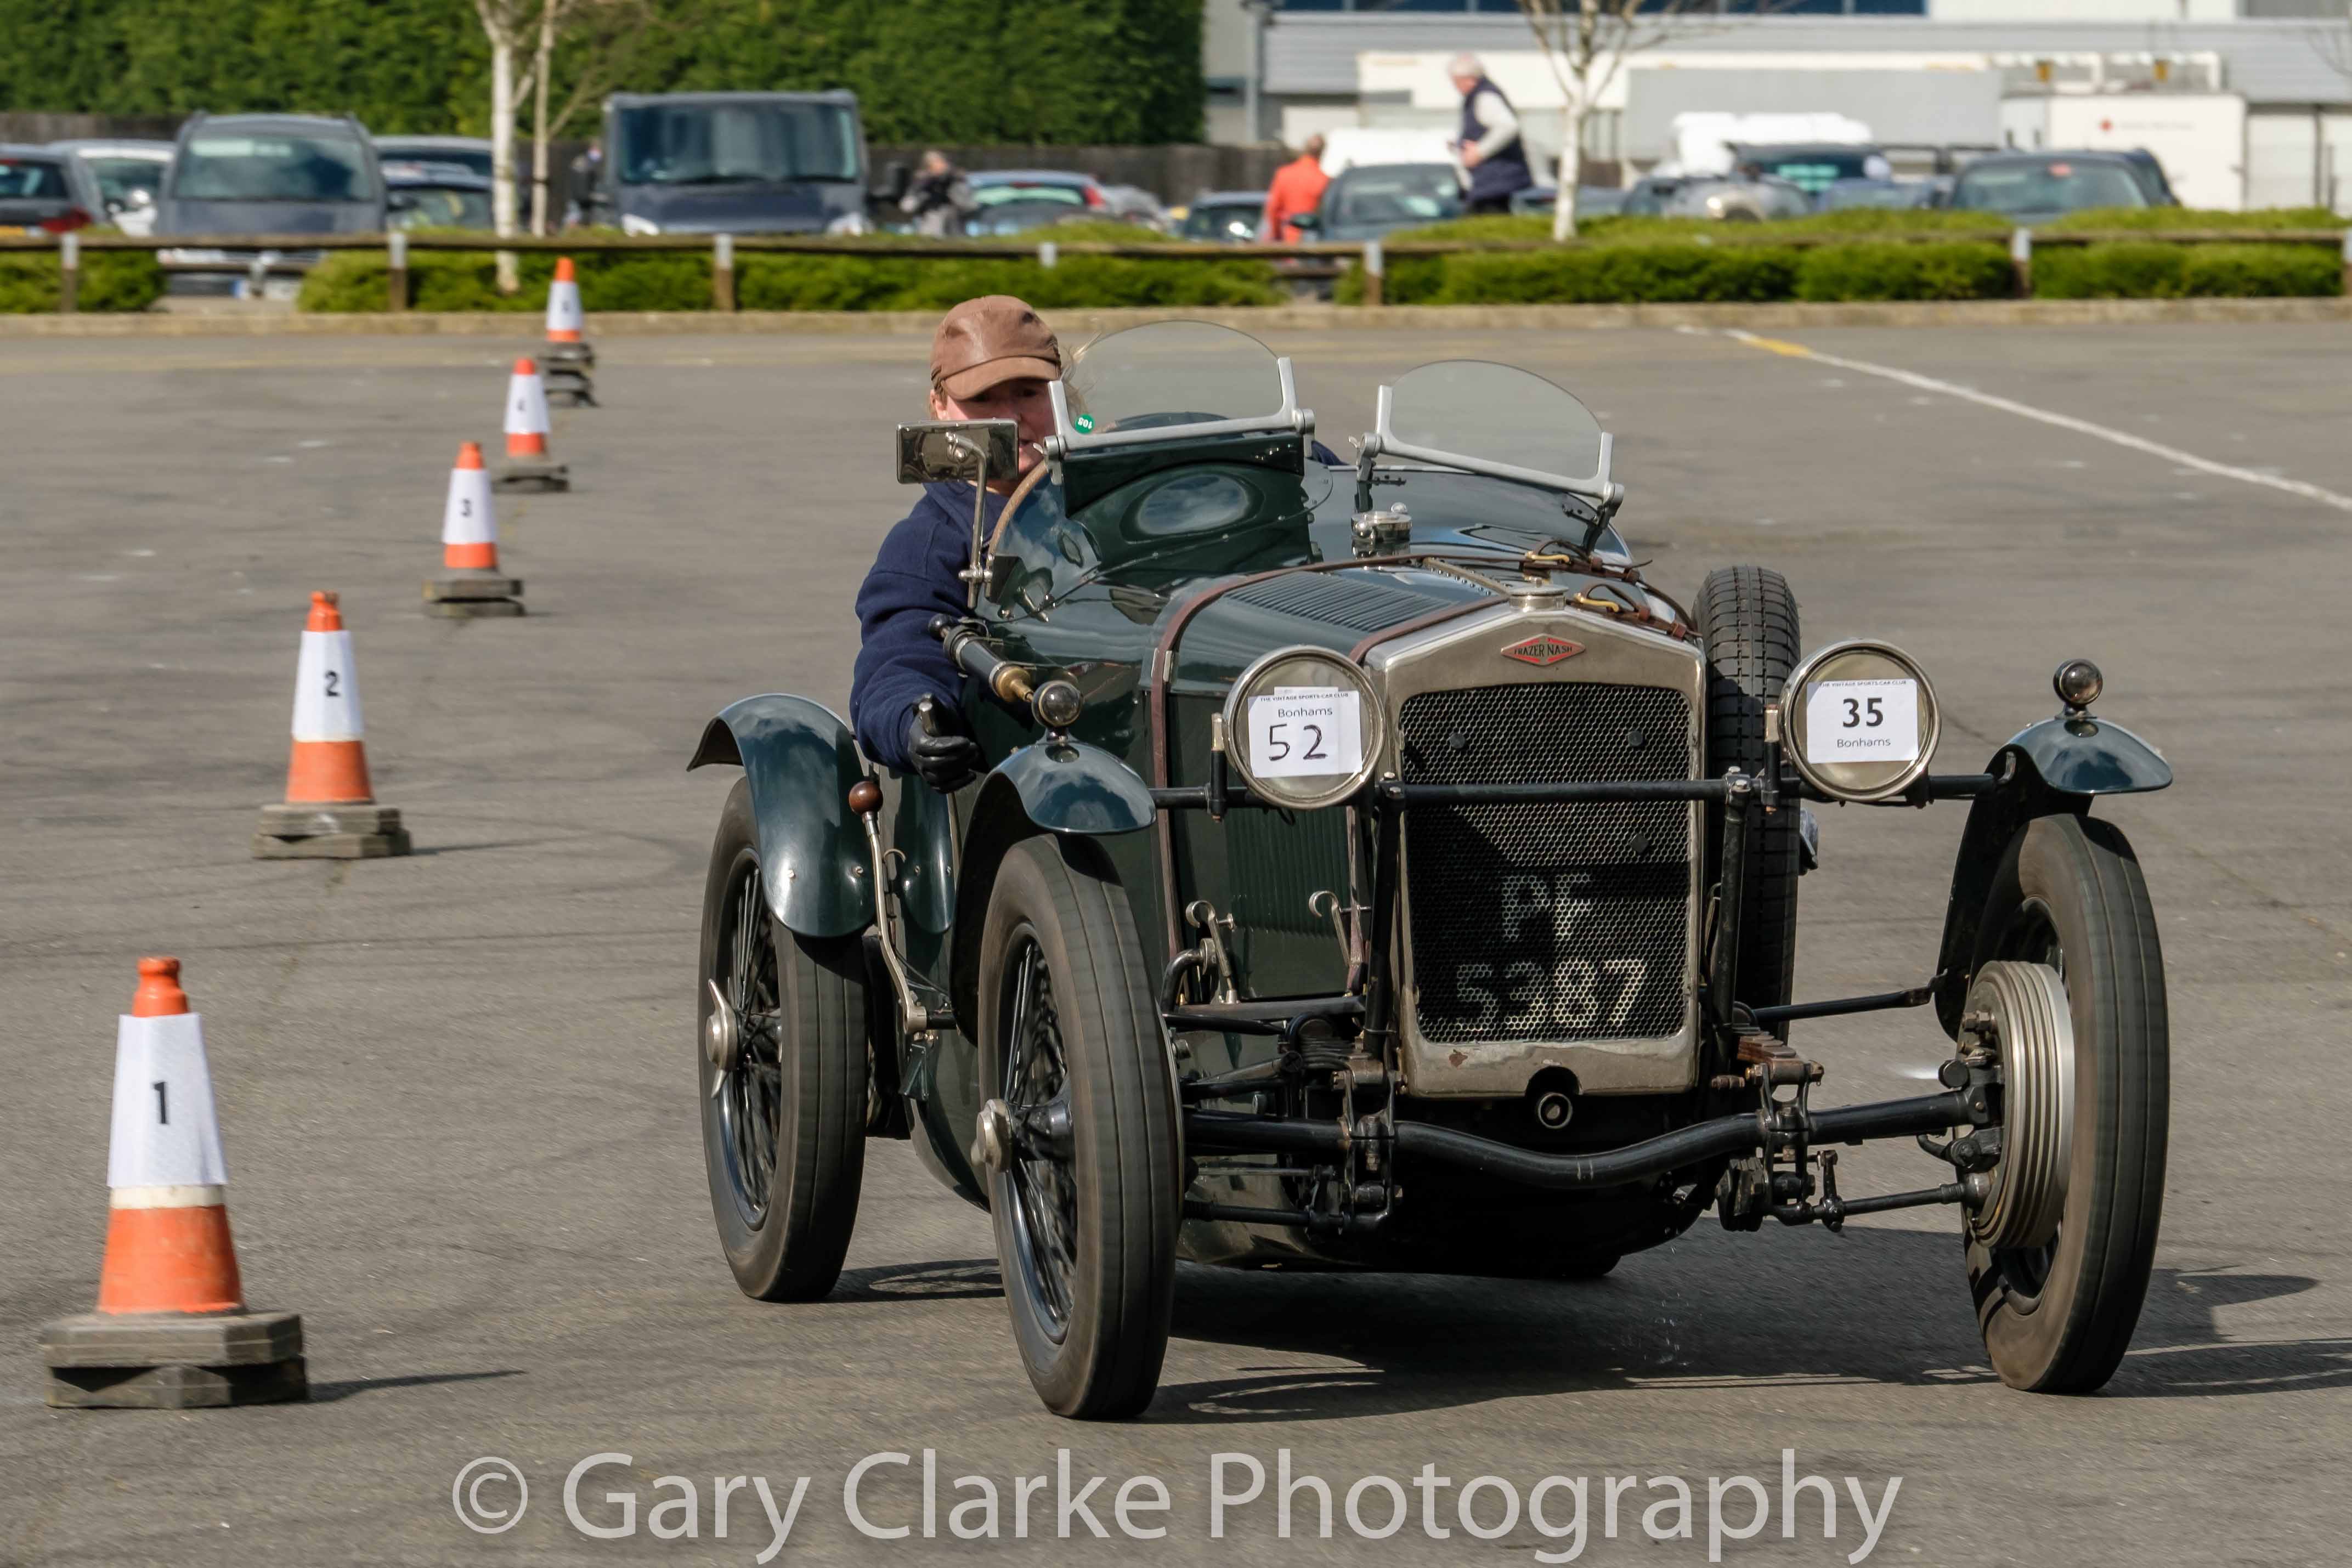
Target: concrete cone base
(471,592)
(329,831)
(541,474)
(572,385)
(167,1360)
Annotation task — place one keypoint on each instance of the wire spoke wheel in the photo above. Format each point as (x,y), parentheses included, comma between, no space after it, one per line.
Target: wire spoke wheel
(782,1069)
(750,1091)
(1085,1188)
(1044,1213)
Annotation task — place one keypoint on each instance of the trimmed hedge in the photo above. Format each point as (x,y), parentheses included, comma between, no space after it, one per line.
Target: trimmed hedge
(2139,269)
(353,280)
(680,280)
(110,280)
(1960,269)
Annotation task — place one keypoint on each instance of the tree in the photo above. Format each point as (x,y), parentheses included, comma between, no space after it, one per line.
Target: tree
(506,23)
(604,35)
(1587,43)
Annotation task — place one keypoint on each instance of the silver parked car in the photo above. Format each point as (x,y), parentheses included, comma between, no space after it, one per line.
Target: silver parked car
(129,174)
(46,190)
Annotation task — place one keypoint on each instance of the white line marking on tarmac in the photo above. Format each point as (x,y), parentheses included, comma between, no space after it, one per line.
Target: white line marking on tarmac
(2186,460)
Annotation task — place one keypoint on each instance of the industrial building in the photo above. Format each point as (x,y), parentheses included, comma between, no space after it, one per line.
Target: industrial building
(2247,103)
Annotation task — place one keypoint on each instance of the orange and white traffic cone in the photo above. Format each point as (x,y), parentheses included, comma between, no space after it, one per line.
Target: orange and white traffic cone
(330,810)
(470,583)
(569,356)
(171,1331)
(530,466)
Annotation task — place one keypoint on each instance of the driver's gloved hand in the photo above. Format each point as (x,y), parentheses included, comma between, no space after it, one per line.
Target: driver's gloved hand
(946,762)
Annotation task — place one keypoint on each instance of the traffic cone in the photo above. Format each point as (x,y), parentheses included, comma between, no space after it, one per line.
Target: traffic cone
(171,1331)
(568,357)
(330,811)
(530,466)
(470,583)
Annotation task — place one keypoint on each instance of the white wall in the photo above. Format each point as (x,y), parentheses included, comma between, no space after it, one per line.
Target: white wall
(2081,10)
(2281,146)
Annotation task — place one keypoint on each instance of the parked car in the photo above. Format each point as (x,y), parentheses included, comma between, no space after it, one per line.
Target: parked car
(436,197)
(2037,187)
(472,153)
(1134,204)
(1647,197)
(1741,199)
(265,174)
(1053,187)
(1372,870)
(1591,200)
(1369,200)
(1014,200)
(1226,217)
(1812,167)
(129,174)
(1885,196)
(730,163)
(45,190)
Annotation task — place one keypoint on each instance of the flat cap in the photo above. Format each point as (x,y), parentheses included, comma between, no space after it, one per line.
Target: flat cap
(991,340)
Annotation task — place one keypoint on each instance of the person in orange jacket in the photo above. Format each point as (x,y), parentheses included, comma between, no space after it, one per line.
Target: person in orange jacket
(1297,187)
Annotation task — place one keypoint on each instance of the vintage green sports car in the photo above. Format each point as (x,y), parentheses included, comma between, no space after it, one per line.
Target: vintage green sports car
(1375,871)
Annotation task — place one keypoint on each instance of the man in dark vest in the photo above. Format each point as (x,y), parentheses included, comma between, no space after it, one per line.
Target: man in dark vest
(1492,152)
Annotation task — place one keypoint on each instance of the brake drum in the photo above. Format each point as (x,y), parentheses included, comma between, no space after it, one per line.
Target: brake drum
(2028,1028)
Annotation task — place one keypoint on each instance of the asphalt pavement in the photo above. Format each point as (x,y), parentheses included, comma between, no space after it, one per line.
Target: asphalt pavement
(459,1088)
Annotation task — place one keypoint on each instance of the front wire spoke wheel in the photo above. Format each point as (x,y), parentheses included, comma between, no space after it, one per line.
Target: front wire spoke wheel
(1044,1198)
(1085,1194)
(2057,1313)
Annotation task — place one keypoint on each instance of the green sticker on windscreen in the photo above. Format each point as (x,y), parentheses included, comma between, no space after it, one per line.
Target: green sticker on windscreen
(1084,423)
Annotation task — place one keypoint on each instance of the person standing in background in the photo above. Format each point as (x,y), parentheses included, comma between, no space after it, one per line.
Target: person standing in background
(940,200)
(1297,187)
(1492,153)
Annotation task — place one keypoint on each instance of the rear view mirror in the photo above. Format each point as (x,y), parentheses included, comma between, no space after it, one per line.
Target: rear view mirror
(937,450)
(1304,223)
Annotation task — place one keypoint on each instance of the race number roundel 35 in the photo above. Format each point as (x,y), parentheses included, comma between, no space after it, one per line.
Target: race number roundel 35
(1862,721)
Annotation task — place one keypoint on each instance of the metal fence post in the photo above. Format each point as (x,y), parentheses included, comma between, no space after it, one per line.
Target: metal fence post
(68,272)
(722,272)
(395,273)
(2021,260)
(1376,267)
(1048,254)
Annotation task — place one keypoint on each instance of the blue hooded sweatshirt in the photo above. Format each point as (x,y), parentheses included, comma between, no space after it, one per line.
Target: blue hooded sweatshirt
(913,578)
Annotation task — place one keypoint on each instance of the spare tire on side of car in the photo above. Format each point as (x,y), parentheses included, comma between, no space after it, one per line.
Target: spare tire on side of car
(1747,618)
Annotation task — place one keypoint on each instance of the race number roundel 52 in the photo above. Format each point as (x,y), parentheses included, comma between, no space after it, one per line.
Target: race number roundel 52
(1862,721)
(1306,732)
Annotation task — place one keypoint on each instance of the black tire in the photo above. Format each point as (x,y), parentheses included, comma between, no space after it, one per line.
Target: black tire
(1086,1238)
(2057,1319)
(783,1138)
(1747,617)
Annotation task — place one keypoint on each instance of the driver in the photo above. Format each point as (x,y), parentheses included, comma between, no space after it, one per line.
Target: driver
(991,357)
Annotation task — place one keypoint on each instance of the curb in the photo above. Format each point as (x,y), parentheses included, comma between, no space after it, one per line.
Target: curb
(1254,319)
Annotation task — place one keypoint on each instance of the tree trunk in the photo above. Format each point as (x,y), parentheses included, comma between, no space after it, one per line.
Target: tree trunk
(1571,169)
(538,118)
(502,151)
